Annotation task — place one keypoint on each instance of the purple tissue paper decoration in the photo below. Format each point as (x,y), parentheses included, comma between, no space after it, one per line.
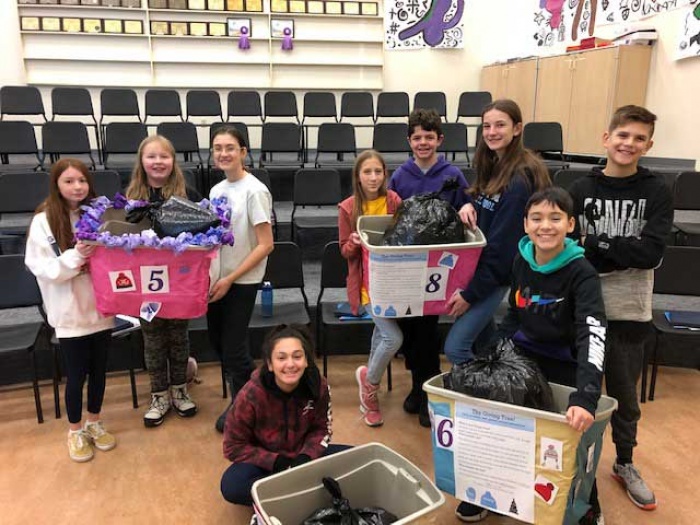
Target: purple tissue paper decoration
(243,40)
(287,44)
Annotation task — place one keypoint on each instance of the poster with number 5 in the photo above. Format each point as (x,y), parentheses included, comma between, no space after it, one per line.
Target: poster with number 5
(411,281)
(157,282)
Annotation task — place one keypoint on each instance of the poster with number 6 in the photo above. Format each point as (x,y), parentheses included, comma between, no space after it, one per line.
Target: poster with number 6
(168,285)
(411,281)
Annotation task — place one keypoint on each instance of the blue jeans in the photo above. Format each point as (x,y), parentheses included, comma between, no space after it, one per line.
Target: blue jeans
(386,341)
(475,327)
(237,481)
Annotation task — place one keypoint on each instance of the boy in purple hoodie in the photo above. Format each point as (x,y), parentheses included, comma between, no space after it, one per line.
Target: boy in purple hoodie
(426,172)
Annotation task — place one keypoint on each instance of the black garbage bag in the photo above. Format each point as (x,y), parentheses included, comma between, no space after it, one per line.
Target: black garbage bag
(503,375)
(174,216)
(342,514)
(425,219)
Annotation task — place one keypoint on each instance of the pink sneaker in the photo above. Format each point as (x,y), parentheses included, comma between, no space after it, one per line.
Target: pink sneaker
(369,404)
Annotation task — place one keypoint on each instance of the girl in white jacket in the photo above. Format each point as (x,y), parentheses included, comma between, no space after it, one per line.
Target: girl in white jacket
(59,264)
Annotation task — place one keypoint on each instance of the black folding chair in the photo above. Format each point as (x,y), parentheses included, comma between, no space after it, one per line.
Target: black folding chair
(285,272)
(675,276)
(392,138)
(17,138)
(472,103)
(20,289)
(163,103)
(544,137)
(431,100)
(107,183)
(281,104)
(66,138)
(244,104)
(315,187)
(357,104)
(20,194)
(455,140)
(317,105)
(117,103)
(336,138)
(76,102)
(686,196)
(392,104)
(122,138)
(284,138)
(203,103)
(21,100)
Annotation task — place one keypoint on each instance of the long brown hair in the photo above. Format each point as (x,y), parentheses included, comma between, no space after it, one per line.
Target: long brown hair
(138,187)
(357,191)
(493,175)
(57,208)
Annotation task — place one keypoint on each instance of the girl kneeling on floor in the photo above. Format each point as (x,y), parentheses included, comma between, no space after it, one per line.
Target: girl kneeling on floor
(281,418)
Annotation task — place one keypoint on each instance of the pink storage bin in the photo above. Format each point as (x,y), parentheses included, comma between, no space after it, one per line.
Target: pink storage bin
(176,285)
(411,281)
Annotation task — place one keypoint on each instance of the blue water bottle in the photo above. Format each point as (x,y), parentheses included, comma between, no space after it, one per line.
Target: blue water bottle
(267,299)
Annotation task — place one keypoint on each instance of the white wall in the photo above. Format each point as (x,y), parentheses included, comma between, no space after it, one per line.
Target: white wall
(493,30)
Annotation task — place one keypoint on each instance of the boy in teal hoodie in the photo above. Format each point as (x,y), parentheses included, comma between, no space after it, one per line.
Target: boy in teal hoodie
(557,314)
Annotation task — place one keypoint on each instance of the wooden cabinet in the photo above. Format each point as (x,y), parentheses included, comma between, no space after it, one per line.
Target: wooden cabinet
(515,80)
(581,91)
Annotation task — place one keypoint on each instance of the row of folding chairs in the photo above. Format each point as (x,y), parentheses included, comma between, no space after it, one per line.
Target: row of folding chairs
(65,101)
(281,143)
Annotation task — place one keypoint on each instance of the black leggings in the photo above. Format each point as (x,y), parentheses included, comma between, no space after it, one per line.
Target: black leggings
(85,356)
(228,320)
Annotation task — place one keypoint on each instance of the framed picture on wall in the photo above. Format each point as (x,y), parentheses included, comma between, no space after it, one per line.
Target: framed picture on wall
(215,5)
(178,28)
(278,26)
(114,26)
(198,28)
(159,28)
(236,24)
(334,8)
(254,6)
(133,27)
(369,8)
(351,8)
(70,2)
(50,23)
(92,25)
(72,25)
(131,3)
(29,23)
(235,5)
(90,2)
(178,4)
(297,6)
(315,7)
(279,6)
(217,29)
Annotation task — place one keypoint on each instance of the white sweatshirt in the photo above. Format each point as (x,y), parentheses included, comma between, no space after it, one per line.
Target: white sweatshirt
(69,300)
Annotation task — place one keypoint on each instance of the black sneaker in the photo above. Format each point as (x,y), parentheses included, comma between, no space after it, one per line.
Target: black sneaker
(221,420)
(423,413)
(412,402)
(470,513)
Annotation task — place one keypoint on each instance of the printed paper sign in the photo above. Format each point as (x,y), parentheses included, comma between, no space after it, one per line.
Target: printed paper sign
(122,281)
(551,454)
(546,490)
(149,310)
(154,279)
(436,283)
(494,454)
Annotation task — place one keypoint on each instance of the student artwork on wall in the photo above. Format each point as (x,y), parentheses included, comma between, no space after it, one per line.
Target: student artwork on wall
(562,22)
(616,11)
(416,24)
(689,34)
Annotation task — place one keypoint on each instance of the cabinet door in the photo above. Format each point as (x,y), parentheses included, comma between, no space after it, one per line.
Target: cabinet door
(521,85)
(493,81)
(591,99)
(554,83)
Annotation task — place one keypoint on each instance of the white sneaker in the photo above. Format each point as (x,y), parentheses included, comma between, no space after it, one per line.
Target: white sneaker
(79,446)
(182,402)
(101,439)
(160,405)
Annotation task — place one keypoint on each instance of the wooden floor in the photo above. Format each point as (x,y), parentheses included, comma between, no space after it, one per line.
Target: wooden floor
(171,474)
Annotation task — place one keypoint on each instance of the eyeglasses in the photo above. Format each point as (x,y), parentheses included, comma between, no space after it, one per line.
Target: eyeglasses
(227,149)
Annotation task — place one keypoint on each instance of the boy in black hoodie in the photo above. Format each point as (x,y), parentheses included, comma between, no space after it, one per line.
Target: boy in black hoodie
(624,215)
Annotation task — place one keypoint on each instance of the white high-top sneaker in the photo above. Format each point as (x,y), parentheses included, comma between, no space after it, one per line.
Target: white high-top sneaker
(181,401)
(160,405)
